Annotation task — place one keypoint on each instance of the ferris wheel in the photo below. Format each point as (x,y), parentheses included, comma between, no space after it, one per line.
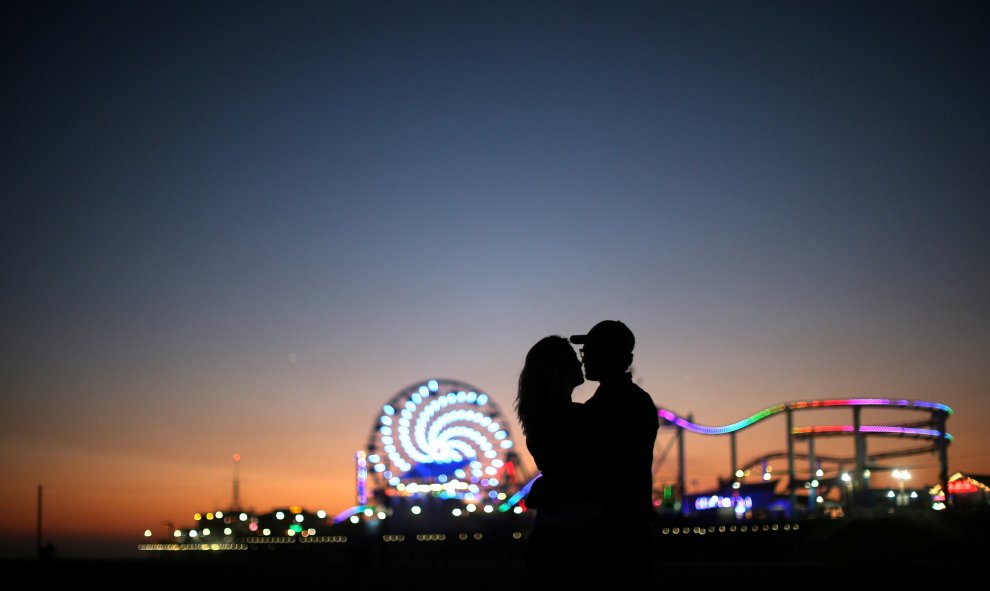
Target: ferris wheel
(440,437)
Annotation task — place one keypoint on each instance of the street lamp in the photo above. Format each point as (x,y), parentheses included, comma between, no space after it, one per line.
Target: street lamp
(901,476)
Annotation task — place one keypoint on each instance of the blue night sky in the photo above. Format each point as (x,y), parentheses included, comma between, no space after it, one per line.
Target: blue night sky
(244,226)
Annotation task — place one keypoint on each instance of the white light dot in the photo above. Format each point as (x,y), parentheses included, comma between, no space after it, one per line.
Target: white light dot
(355,519)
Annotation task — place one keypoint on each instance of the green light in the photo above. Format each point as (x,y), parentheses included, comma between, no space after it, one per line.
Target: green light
(296,527)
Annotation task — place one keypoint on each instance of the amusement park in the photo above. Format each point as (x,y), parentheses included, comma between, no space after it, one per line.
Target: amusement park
(440,474)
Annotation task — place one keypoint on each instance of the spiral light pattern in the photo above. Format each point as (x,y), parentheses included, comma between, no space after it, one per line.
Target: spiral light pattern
(439,436)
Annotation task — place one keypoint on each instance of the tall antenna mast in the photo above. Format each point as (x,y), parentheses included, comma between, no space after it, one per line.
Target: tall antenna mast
(236,503)
(39,520)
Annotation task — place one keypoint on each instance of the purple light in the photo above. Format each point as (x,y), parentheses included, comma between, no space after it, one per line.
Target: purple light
(362,478)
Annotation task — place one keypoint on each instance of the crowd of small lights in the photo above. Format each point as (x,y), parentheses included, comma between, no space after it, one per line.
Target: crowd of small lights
(190,547)
(721,529)
(240,524)
(443,537)
(356,514)
(389,538)
(429,426)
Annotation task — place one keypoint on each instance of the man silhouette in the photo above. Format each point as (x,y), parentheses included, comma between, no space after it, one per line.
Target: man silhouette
(625,425)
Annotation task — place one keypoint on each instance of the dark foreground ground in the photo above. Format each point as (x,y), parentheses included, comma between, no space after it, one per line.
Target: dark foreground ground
(890,553)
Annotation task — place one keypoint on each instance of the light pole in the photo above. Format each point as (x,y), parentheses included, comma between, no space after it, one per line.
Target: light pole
(901,476)
(847,479)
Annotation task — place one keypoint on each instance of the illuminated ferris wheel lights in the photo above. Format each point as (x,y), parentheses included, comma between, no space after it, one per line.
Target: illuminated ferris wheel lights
(433,385)
(490,471)
(472,397)
(416,398)
(501,435)
(482,400)
(502,496)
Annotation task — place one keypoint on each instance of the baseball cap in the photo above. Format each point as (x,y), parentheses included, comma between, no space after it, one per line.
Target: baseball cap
(610,334)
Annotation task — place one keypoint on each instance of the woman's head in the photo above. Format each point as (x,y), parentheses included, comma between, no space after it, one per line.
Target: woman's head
(551,372)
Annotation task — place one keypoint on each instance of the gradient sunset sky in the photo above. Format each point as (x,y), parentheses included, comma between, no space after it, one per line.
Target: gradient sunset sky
(242,227)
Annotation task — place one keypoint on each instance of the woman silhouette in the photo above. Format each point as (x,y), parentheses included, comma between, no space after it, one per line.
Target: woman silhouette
(555,428)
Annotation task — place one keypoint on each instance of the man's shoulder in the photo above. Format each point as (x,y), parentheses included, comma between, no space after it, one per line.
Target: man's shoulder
(644,401)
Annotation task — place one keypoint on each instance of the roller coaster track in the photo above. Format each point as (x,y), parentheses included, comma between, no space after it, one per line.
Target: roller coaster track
(895,430)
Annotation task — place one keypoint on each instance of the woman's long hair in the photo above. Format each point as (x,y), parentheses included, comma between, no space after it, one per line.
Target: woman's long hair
(546,381)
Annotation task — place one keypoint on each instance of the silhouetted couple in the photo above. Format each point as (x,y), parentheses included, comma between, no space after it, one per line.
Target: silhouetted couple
(594,500)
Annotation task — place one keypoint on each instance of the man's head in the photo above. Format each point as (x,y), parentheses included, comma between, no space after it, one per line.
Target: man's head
(606,350)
